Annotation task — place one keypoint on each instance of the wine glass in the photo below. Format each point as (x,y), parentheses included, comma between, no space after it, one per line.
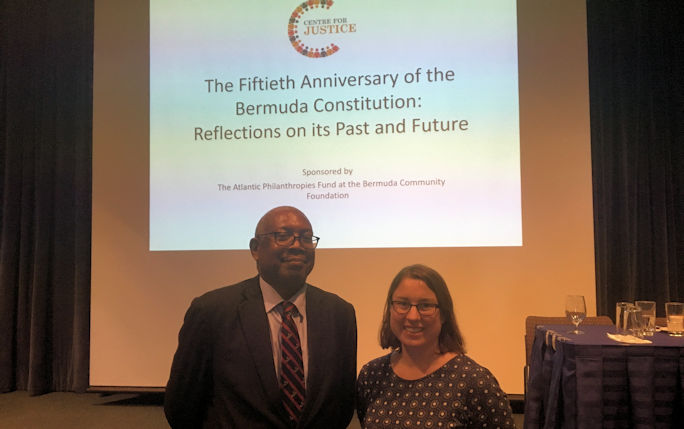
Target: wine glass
(576,311)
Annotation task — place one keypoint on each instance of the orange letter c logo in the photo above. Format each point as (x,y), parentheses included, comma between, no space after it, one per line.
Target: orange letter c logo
(299,46)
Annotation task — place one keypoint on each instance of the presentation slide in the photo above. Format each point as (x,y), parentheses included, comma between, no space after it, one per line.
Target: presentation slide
(366,120)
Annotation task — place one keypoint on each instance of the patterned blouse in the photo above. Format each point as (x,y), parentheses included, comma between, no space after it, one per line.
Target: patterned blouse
(461,393)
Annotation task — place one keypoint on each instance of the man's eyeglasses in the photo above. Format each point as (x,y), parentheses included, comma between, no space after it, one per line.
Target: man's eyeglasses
(283,238)
(424,308)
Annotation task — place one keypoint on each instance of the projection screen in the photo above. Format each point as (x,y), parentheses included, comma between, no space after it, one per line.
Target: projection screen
(450,133)
(335,108)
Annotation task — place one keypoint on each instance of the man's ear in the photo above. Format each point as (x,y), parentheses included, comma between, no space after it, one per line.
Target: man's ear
(254,247)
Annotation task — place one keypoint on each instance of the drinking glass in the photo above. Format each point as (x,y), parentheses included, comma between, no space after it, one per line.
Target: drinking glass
(648,315)
(675,318)
(576,311)
(620,308)
(633,322)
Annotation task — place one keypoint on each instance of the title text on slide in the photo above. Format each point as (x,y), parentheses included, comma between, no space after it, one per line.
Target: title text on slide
(416,125)
(258,83)
(321,105)
(356,103)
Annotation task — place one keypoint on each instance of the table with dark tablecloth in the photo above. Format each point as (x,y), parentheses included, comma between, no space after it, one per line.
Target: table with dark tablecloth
(591,381)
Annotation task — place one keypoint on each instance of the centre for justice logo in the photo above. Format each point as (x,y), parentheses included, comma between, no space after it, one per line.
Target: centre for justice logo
(315,28)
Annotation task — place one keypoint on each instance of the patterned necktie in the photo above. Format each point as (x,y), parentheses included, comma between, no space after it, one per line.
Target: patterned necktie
(292,384)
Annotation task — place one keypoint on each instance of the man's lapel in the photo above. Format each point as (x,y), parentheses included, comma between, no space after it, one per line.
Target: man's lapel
(257,335)
(318,342)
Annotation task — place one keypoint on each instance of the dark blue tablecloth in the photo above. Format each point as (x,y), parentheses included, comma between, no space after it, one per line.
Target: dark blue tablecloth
(591,381)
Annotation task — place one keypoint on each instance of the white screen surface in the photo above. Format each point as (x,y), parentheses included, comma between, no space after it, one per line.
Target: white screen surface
(366,120)
(139,297)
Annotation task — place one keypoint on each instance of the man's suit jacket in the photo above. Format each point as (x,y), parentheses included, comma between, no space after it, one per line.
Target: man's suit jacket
(223,375)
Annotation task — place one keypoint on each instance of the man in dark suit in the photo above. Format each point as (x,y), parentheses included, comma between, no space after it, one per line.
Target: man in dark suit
(233,367)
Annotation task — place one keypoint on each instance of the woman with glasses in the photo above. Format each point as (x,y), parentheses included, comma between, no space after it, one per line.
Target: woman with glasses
(426,380)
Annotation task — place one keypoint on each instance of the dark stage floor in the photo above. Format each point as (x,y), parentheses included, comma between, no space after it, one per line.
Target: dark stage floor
(62,410)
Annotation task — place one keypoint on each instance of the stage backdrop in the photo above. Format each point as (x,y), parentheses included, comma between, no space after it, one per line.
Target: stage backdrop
(454,134)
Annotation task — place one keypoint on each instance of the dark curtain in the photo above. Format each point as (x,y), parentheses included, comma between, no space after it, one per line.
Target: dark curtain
(46,59)
(636,82)
(46,62)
